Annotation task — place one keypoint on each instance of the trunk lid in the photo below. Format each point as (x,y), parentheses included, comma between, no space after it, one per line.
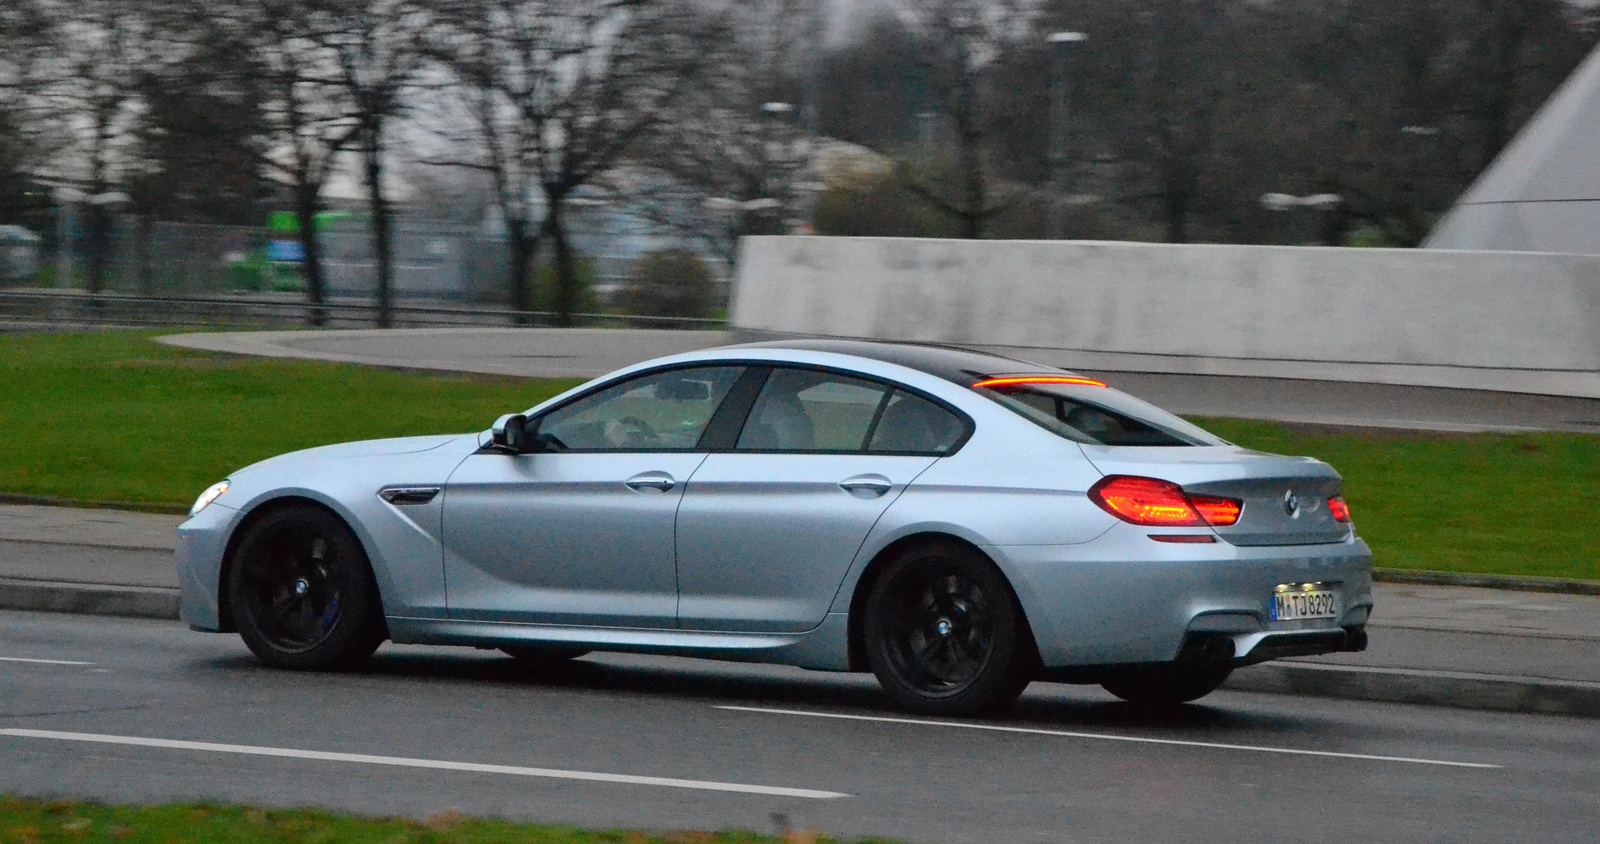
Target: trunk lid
(1285,498)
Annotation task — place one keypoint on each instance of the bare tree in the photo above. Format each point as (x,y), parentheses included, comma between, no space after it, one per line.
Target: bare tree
(310,118)
(377,51)
(735,159)
(959,44)
(26,39)
(105,46)
(559,90)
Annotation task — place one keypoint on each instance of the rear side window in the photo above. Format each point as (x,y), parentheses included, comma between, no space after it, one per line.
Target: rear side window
(1098,415)
(913,425)
(810,410)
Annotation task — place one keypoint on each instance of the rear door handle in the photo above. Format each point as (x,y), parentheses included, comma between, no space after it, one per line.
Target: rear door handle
(866,486)
(654,481)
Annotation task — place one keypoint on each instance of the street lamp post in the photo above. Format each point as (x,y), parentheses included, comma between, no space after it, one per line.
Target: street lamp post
(1061,47)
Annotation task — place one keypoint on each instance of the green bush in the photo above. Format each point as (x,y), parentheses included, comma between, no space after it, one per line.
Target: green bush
(544,287)
(672,282)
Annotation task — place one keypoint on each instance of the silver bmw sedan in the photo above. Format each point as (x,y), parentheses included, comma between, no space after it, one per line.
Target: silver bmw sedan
(959,524)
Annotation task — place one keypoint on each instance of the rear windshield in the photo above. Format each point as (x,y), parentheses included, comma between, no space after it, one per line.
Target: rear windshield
(1098,415)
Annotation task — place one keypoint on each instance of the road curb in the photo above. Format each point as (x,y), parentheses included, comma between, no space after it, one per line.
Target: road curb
(1488,581)
(84,504)
(89,599)
(1390,685)
(1429,688)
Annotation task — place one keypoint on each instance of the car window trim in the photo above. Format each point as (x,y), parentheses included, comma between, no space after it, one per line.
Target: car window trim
(727,422)
(877,416)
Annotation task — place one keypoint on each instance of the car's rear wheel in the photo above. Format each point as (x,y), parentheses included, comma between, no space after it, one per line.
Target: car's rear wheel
(944,633)
(541,656)
(302,592)
(1158,686)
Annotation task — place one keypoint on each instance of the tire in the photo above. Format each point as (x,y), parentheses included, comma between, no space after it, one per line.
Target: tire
(945,635)
(302,592)
(1164,686)
(542,657)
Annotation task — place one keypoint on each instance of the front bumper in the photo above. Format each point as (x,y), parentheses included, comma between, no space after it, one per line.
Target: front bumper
(202,542)
(1124,598)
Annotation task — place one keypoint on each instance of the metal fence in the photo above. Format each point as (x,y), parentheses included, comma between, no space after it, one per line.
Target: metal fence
(45,309)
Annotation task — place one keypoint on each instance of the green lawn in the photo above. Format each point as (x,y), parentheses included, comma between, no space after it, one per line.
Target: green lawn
(39,822)
(116,417)
(1522,504)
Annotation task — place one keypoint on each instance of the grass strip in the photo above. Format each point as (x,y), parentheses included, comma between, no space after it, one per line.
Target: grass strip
(1516,504)
(115,417)
(27,821)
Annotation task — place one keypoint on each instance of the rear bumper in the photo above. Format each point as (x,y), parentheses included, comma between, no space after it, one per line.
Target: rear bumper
(1124,598)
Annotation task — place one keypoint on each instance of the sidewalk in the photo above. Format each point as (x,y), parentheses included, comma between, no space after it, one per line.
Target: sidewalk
(1435,645)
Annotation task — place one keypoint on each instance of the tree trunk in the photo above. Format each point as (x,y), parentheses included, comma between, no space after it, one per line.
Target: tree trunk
(1175,204)
(307,204)
(565,272)
(99,246)
(95,216)
(372,150)
(523,250)
(972,217)
(147,269)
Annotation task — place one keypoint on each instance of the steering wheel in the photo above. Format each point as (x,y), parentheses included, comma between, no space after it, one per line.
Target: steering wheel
(647,433)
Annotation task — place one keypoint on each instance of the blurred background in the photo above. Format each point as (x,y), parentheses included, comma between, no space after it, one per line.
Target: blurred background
(408,162)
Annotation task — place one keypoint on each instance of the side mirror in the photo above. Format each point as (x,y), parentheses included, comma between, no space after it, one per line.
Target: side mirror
(510,434)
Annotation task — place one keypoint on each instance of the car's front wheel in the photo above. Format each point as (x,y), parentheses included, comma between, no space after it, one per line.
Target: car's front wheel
(944,633)
(302,593)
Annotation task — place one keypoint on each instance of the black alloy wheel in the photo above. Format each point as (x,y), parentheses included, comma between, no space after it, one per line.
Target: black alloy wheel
(302,592)
(945,635)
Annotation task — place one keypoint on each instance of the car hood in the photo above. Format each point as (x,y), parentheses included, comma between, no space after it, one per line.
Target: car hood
(363,448)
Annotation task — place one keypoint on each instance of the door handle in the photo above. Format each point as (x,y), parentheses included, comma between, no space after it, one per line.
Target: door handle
(866,486)
(656,481)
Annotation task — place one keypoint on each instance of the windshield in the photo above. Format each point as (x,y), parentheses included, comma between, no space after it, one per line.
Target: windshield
(1098,415)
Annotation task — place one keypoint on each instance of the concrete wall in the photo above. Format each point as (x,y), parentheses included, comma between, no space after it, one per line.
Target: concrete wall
(1521,322)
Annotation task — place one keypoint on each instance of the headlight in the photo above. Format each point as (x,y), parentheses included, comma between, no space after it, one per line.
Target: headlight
(211,494)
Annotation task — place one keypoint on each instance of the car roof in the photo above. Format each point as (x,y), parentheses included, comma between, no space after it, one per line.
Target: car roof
(951,363)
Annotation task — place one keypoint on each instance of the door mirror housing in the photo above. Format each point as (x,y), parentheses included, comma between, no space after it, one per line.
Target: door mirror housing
(510,434)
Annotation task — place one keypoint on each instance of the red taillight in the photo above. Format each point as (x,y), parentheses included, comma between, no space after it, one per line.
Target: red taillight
(1339,510)
(1218,512)
(1157,503)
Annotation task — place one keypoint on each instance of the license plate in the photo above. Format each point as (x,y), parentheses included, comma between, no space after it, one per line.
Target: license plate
(1295,601)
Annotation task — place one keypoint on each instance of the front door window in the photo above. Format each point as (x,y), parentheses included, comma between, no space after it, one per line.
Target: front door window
(661,411)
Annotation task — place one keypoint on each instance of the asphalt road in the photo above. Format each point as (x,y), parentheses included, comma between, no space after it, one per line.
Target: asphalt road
(739,744)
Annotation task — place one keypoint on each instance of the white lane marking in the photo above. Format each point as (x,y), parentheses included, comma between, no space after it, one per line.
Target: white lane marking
(1108,737)
(43,661)
(435,764)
